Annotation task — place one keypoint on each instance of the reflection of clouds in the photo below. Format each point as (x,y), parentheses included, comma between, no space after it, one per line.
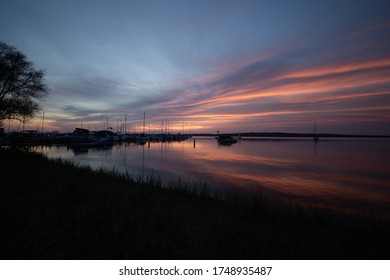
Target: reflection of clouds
(346,172)
(321,185)
(292,176)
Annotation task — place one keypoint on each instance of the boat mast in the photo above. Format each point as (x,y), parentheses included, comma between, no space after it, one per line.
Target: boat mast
(315,136)
(43,121)
(125,123)
(144,125)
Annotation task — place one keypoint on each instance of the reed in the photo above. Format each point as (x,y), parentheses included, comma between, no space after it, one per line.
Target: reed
(55,209)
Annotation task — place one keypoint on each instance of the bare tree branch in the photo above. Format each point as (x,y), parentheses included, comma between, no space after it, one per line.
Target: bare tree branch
(21,85)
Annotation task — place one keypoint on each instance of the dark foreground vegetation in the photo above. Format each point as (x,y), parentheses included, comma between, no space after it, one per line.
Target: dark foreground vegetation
(51,209)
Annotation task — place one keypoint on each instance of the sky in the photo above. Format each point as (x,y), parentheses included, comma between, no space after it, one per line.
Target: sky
(207,66)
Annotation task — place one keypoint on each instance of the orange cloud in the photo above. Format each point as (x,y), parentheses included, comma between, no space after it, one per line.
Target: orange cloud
(339,69)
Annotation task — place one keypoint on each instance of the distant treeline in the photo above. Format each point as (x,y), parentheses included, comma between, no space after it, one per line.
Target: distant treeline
(285,134)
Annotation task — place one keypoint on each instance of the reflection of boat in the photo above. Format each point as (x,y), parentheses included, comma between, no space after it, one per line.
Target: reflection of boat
(316,138)
(226,139)
(90,144)
(141,139)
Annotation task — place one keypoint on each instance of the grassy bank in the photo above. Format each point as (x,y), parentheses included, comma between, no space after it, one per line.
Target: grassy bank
(55,210)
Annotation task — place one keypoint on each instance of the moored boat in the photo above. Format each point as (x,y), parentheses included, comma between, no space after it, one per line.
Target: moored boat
(226,139)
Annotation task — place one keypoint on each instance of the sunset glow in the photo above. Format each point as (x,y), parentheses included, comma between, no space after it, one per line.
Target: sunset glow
(208,66)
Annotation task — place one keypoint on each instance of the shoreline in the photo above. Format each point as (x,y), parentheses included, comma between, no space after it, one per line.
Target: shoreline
(53,209)
(46,139)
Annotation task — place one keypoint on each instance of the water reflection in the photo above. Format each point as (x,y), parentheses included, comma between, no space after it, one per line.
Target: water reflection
(347,173)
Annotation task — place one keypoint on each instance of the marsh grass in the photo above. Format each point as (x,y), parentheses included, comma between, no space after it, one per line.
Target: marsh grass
(54,209)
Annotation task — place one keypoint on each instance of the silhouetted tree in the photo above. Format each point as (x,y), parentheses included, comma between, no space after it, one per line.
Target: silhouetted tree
(21,85)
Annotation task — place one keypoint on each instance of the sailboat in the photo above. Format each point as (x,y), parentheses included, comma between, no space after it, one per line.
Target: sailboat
(316,138)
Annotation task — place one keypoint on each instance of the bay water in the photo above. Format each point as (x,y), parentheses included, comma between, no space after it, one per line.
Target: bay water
(340,173)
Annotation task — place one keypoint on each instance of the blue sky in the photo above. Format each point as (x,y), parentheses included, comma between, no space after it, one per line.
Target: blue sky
(212,65)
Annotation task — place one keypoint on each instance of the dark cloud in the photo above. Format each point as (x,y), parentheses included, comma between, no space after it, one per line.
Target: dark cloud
(89,88)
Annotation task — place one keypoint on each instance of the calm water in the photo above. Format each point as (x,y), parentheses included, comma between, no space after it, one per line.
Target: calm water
(346,173)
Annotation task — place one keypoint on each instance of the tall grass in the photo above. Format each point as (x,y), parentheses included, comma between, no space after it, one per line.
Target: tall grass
(54,209)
